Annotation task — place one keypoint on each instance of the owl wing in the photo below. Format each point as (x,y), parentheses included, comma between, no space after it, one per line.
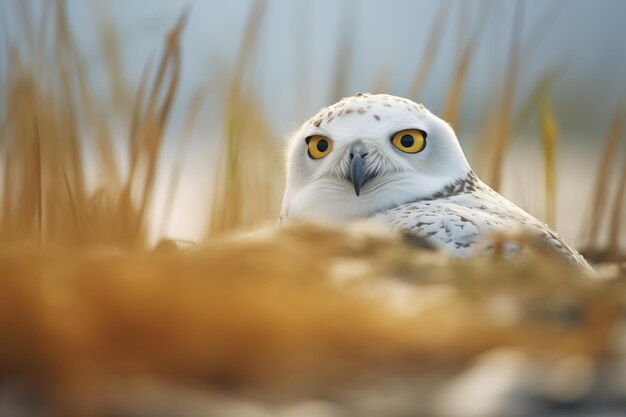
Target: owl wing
(459,223)
(455,228)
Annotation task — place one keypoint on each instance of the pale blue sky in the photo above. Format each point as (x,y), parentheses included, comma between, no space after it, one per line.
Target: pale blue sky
(299,40)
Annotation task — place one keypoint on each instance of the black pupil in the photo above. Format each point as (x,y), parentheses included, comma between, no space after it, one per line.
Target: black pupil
(407,141)
(322,145)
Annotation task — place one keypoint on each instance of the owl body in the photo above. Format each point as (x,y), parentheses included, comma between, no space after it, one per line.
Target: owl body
(391,160)
(460,220)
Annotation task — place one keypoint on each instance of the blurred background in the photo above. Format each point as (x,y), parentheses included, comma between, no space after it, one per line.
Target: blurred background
(534,90)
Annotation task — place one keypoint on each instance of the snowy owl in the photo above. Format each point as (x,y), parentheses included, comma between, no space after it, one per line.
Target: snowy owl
(391,160)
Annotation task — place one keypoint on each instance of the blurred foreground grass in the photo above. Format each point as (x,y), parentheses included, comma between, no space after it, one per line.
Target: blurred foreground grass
(284,316)
(95,322)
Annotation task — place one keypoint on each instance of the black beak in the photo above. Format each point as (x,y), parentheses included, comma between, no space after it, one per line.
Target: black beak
(358,174)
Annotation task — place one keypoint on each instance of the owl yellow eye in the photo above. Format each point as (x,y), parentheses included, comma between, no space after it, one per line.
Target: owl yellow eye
(319,146)
(410,140)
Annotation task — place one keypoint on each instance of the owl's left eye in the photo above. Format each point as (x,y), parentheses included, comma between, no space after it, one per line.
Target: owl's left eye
(319,146)
(410,140)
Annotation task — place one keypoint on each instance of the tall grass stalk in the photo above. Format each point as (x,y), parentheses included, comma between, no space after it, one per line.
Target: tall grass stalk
(617,215)
(464,58)
(430,53)
(247,185)
(550,136)
(53,123)
(603,175)
(501,126)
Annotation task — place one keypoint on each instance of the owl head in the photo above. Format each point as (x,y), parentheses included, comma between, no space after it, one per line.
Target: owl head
(368,153)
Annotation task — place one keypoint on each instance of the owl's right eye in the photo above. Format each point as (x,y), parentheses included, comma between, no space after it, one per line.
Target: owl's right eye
(319,146)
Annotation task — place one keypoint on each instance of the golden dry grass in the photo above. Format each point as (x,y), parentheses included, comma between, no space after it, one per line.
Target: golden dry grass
(50,113)
(550,135)
(276,312)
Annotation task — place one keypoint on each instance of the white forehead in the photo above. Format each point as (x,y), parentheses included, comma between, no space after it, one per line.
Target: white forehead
(366,115)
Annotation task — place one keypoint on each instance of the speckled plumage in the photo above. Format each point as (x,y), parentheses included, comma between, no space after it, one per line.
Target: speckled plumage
(459,218)
(433,193)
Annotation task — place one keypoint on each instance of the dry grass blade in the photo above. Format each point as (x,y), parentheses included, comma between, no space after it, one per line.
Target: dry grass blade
(430,53)
(38,187)
(97,118)
(249,42)
(243,196)
(74,209)
(111,49)
(149,128)
(20,217)
(236,93)
(502,123)
(605,168)
(497,138)
(550,136)
(120,98)
(461,69)
(541,86)
(617,216)
(226,210)
(7,191)
(51,114)
(192,112)
(137,109)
